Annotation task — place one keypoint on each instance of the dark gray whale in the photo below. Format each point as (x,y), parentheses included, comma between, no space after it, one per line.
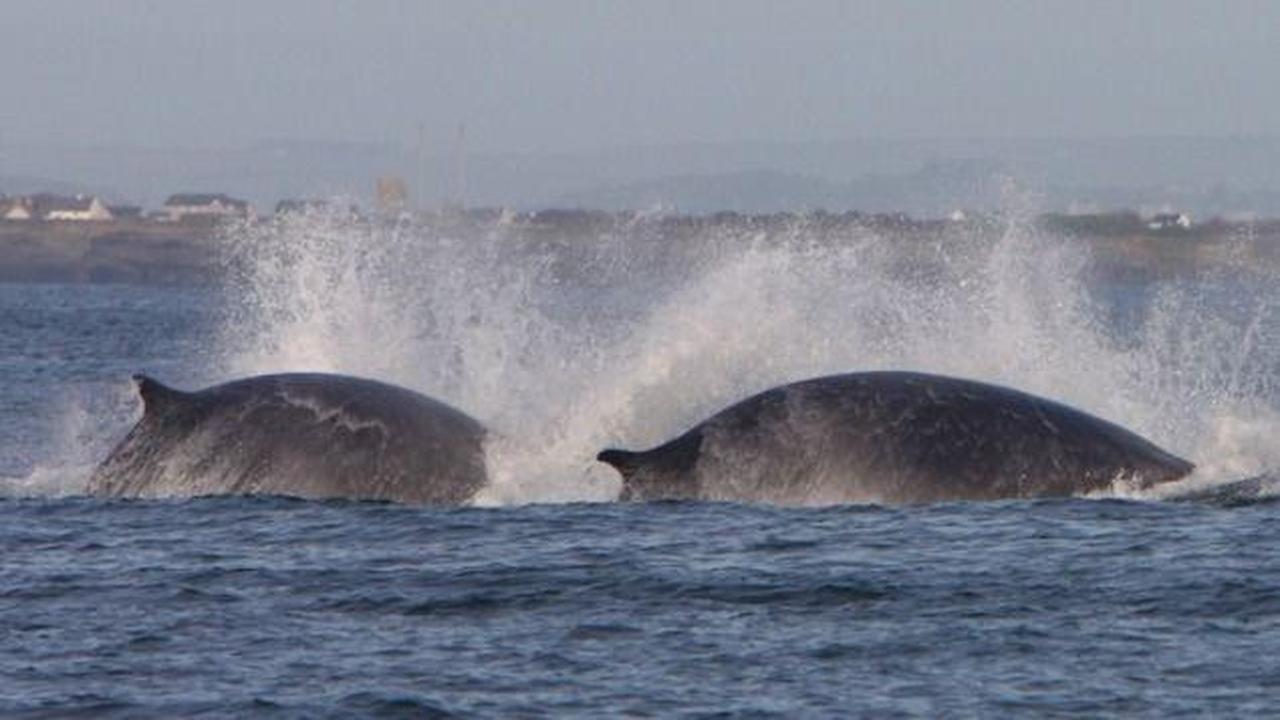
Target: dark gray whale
(1245,491)
(303,435)
(892,437)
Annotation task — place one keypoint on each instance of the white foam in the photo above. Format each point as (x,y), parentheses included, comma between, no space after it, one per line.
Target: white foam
(83,430)
(640,346)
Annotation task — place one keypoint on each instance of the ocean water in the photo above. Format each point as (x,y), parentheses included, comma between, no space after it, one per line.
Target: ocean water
(546,599)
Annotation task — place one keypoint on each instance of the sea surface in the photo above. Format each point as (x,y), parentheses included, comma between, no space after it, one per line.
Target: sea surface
(551,601)
(280,608)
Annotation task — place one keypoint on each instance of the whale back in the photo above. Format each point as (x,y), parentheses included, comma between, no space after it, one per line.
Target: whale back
(894,437)
(304,435)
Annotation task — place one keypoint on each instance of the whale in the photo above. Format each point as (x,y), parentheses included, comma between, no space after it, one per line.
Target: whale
(1232,493)
(305,435)
(893,438)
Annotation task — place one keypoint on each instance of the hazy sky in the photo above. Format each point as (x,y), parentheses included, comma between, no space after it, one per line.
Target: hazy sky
(549,76)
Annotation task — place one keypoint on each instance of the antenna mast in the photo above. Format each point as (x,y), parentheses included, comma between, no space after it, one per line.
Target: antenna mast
(422,166)
(458,170)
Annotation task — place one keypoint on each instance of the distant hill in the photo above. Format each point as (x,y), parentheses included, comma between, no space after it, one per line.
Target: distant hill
(747,191)
(1205,176)
(933,190)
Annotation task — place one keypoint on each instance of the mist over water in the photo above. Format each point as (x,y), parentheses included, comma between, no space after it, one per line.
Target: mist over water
(621,336)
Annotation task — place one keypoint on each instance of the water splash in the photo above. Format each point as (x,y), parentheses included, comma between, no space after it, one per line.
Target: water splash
(76,439)
(572,335)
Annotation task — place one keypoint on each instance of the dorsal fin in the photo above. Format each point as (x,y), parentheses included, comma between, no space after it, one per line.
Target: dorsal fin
(623,460)
(156,397)
(679,456)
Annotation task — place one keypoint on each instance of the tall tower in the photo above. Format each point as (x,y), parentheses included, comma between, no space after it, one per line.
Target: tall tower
(458,171)
(421,205)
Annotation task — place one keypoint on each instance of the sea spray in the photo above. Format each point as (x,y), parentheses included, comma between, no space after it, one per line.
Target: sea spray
(77,438)
(570,334)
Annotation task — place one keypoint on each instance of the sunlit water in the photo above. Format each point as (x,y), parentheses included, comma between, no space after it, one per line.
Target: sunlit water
(548,601)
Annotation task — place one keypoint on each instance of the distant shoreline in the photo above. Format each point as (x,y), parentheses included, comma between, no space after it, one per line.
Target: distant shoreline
(145,252)
(130,251)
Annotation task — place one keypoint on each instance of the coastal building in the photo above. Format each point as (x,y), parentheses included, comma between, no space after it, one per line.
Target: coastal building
(19,209)
(13,209)
(393,195)
(1169,221)
(55,208)
(204,206)
(81,208)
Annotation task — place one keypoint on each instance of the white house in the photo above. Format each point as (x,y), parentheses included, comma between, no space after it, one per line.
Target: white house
(81,208)
(19,209)
(204,206)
